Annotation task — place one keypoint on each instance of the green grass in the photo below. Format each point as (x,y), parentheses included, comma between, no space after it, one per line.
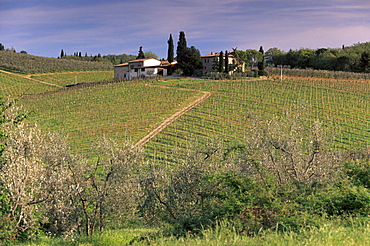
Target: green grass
(107,238)
(328,234)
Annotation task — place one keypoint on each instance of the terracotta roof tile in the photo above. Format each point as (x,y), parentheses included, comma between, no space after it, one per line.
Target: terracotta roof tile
(121,65)
(215,55)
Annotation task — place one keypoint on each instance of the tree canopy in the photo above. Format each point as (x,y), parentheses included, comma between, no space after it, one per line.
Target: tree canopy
(188,59)
(350,58)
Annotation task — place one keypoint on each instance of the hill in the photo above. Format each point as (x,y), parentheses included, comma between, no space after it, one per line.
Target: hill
(259,156)
(29,64)
(235,105)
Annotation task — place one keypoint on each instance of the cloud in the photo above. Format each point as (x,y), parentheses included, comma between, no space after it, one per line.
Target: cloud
(123,26)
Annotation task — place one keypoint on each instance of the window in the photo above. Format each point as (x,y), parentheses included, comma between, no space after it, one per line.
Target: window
(132,67)
(143,70)
(136,69)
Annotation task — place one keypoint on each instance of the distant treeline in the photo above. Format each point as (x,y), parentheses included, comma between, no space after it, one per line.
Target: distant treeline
(114,59)
(355,58)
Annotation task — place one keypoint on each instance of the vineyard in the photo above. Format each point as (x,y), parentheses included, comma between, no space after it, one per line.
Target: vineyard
(12,86)
(71,78)
(235,106)
(121,111)
(128,110)
(29,64)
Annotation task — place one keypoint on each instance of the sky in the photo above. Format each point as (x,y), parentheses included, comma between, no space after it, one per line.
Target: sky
(44,27)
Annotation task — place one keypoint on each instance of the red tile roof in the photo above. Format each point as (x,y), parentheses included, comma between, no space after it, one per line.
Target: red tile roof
(121,65)
(166,63)
(215,55)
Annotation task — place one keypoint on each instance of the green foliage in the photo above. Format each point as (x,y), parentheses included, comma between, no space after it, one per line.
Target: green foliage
(141,54)
(255,72)
(171,48)
(119,59)
(262,73)
(353,58)
(221,62)
(190,61)
(317,73)
(359,171)
(365,62)
(254,56)
(181,46)
(8,231)
(241,56)
(261,60)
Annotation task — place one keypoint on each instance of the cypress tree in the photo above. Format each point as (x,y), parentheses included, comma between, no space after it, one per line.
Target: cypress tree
(226,62)
(181,47)
(141,54)
(261,62)
(62,54)
(2,46)
(221,62)
(170,53)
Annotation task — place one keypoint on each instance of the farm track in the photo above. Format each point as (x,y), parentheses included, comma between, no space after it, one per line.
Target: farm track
(173,117)
(29,77)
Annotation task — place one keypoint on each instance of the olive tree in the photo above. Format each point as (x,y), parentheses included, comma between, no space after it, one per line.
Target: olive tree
(51,189)
(294,151)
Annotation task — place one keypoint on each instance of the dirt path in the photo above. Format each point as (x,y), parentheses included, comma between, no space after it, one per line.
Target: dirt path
(173,117)
(29,77)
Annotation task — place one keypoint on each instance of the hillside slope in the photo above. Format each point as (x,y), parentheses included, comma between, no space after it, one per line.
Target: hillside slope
(29,64)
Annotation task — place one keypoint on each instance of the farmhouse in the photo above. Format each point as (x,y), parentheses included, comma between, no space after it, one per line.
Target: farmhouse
(211,60)
(141,68)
